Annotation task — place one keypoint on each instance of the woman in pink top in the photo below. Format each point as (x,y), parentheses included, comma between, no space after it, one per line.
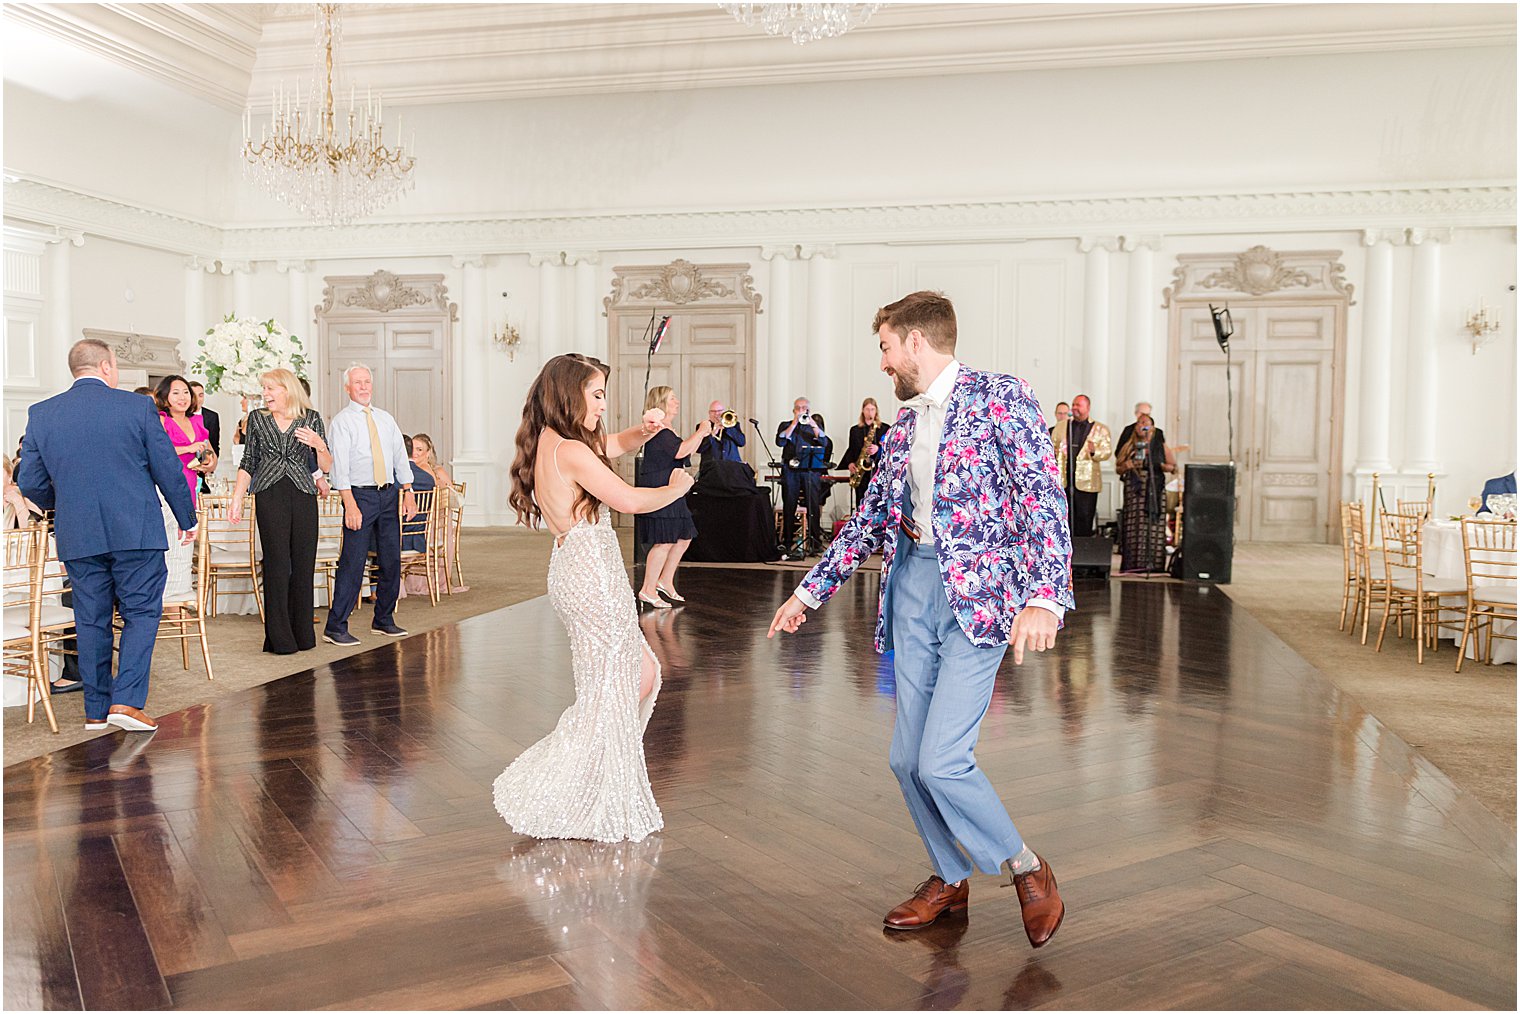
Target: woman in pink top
(186,432)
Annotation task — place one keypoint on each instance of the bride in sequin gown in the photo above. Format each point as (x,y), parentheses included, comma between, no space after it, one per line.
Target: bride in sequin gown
(586,778)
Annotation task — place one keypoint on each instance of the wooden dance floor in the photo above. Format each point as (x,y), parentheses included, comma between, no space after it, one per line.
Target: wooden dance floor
(1228,831)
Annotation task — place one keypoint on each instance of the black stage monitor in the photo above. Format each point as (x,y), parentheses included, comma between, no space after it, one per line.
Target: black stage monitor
(1208,523)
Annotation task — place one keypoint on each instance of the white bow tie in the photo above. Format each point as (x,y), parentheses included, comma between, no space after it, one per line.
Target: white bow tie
(921,401)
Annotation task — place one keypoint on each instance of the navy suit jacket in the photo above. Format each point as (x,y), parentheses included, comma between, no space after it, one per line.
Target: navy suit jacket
(1495,487)
(93,455)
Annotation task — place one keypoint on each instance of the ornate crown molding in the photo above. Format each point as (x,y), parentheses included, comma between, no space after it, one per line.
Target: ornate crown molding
(1258,272)
(384,292)
(1382,211)
(682,283)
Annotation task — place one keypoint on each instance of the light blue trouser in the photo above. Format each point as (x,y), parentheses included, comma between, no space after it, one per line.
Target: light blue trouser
(944,684)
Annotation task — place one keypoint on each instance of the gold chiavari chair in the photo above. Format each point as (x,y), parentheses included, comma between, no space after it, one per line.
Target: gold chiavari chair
(1488,547)
(1348,568)
(329,540)
(1420,507)
(56,620)
(455,525)
(232,549)
(1368,563)
(25,554)
(425,526)
(184,617)
(1408,591)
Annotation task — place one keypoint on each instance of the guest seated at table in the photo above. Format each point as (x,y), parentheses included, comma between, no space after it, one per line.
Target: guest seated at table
(19,511)
(426,458)
(1497,487)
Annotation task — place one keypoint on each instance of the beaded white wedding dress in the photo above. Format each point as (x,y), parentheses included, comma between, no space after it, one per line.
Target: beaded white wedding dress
(587,779)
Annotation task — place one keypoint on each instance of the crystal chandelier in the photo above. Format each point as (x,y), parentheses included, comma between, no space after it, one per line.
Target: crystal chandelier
(803,22)
(302,158)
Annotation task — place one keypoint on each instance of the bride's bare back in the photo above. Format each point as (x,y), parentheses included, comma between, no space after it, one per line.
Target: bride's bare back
(554,493)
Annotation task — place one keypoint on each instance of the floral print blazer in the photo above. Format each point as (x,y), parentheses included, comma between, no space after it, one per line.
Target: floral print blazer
(1000,515)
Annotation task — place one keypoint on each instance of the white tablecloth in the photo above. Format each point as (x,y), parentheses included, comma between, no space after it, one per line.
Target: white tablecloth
(234,603)
(1443,557)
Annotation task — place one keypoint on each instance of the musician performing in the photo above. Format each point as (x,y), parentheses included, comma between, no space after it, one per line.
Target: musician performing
(804,452)
(866,439)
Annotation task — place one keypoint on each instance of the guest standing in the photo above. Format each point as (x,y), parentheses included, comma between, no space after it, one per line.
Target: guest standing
(1143,462)
(213,424)
(369,462)
(668,531)
(276,464)
(94,455)
(176,410)
(866,439)
(1081,444)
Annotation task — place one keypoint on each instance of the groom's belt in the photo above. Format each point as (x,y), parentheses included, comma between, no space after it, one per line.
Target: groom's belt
(910,529)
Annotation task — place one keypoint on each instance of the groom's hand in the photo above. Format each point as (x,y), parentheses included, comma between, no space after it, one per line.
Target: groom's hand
(791,615)
(1035,626)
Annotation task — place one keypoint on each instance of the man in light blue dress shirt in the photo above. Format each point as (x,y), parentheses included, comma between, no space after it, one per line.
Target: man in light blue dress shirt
(369,464)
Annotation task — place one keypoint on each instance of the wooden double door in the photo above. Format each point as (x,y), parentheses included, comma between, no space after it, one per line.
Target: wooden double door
(1286,377)
(410,360)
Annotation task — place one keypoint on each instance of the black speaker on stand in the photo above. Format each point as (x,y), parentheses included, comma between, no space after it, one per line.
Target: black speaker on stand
(1208,523)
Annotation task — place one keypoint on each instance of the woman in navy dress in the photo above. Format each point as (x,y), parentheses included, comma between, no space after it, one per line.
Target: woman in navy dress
(668,531)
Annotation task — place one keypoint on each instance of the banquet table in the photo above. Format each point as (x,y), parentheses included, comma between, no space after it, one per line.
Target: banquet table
(236,603)
(1443,558)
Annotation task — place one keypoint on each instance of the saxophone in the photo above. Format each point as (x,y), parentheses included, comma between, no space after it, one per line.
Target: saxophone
(865,465)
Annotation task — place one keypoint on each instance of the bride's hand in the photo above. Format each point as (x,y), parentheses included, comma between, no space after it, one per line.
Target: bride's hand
(654,421)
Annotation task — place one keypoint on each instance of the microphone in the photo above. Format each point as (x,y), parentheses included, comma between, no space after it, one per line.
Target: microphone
(659,334)
(755,422)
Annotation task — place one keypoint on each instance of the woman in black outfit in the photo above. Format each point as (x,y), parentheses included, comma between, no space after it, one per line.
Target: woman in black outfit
(856,454)
(1143,462)
(668,531)
(277,458)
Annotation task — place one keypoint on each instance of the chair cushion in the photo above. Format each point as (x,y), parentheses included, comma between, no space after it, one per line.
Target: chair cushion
(15,626)
(1495,593)
(1432,585)
(56,616)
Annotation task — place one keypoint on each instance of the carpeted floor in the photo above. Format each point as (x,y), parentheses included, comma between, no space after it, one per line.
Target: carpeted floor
(1463,723)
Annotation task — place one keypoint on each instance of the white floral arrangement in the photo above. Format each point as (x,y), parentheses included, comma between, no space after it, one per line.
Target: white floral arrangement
(236,352)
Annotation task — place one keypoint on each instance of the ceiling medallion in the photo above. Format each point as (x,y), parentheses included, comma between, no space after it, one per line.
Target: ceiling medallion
(802,23)
(303,158)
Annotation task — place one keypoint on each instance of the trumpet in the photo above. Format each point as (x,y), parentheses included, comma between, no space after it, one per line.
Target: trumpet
(727,419)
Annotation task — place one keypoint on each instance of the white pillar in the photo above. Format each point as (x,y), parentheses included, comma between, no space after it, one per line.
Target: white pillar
(588,337)
(1422,383)
(301,313)
(242,288)
(550,341)
(1095,325)
(1141,366)
(779,391)
(60,301)
(196,321)
(822,377)
(1377,344)
(475,346)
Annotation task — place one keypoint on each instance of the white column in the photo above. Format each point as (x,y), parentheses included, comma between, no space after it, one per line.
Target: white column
(779,390)
(196,321)
(1141,366)
(1377,344)
(1422,383)
(60,307)
(242,288)
(822,377)
(588,337)
(300,313)
(475,346)
(550,341)
(1095,329)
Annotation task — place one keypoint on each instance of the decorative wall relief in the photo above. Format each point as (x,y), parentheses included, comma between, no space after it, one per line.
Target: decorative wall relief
(384,292)
(681,283)
(157,354)
(1259,271)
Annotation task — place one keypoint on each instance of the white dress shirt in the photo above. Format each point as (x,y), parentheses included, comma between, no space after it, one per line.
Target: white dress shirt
(348,440)
(923,456)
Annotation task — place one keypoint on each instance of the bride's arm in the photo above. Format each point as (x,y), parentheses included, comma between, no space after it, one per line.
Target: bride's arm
(634,437)
(582,467)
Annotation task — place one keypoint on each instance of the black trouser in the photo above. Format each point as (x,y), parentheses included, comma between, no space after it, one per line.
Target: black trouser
(380,525)
(287,520)
(809,485)
(1084,510)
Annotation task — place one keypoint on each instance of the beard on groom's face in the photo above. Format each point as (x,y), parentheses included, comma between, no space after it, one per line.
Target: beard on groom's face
(905,381)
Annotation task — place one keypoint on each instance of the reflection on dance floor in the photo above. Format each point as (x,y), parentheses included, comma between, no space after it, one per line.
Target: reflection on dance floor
(1228,831)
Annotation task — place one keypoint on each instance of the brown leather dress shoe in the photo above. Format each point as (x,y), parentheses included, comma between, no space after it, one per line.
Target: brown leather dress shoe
(132,719)
(1040,902)
(932,899)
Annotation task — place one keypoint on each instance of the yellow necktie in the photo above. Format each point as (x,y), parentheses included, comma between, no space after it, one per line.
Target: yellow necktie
(376,452)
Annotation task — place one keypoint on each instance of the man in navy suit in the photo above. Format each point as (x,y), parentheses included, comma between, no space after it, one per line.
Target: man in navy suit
(93,455)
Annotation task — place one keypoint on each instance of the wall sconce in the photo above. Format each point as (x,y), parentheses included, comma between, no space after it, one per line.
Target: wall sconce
(505,336)
(1483,325)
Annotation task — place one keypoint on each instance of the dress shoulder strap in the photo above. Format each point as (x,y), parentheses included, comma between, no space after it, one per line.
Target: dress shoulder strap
(555,456)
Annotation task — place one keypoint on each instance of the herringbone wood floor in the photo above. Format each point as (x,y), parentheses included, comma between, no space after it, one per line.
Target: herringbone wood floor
(1228,831)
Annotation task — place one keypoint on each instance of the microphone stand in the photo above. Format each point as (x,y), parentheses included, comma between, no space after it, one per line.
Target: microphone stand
(639,553)
(770,487)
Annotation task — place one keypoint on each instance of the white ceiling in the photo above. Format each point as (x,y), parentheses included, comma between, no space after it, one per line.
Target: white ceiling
(427,53)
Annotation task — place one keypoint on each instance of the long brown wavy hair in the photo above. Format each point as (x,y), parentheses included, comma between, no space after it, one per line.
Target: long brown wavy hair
(556,401)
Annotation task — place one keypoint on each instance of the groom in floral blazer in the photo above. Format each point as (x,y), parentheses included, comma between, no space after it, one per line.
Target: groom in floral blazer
(970,516)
